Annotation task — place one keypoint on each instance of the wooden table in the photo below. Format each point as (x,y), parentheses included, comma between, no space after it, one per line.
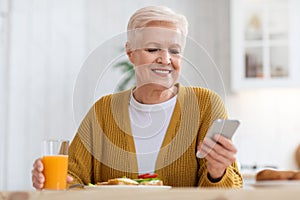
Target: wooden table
(158,194)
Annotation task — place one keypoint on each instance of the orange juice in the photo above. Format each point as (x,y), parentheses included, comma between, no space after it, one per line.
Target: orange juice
(55,172)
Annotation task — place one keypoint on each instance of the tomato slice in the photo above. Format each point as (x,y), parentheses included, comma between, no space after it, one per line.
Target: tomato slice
(142,175)
(151,176)
(147,175)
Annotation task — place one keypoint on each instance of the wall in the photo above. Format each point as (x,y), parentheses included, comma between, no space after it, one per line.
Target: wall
(270,130)
(46,47)
(4,32)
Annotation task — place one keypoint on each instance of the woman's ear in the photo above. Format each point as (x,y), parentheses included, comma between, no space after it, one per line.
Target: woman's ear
(129,52)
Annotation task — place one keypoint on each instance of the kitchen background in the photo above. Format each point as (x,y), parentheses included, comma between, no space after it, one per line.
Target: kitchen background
(44,45)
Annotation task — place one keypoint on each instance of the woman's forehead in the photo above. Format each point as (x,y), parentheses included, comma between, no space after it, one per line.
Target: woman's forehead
(157,35)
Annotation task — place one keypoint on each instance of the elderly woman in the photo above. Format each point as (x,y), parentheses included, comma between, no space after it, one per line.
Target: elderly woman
(157,126)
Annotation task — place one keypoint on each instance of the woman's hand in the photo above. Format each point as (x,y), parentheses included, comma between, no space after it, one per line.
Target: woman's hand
(219,154)
(38,177)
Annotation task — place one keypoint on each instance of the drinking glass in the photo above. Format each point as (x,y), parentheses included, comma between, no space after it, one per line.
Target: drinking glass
(55,161)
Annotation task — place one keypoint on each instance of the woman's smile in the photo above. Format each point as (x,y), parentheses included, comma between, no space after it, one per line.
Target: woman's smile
(162,72)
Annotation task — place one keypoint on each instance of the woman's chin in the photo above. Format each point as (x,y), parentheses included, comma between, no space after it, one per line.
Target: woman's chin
(156,86)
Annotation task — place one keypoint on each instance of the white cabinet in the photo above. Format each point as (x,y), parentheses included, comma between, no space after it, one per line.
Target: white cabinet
(265,43)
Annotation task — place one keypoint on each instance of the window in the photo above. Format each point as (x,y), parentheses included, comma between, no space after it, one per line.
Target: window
(264,43)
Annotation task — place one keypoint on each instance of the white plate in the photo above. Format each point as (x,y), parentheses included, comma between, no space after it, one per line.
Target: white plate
(277,183)
(128,187)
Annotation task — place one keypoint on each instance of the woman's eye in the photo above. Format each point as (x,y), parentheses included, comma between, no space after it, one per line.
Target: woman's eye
(174,51)
(151,50)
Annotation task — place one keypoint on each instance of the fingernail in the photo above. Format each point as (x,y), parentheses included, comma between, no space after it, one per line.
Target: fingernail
(199,154)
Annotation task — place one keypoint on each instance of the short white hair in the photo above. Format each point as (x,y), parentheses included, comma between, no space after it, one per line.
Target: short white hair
(142,17)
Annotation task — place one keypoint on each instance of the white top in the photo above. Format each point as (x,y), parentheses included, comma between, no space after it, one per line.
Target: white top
(149,123)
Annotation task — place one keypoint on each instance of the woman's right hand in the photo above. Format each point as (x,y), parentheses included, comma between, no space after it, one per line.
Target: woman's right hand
(38,177)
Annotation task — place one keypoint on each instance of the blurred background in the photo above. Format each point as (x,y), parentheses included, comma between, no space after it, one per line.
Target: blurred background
(44,44)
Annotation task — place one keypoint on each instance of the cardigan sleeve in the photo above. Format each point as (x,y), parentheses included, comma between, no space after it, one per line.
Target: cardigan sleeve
(80,158)
(231,178)
(213,108)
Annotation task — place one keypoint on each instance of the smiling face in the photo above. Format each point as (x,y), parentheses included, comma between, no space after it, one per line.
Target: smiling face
(156,54)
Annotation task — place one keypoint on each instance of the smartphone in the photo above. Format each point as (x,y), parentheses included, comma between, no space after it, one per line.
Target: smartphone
(225,127)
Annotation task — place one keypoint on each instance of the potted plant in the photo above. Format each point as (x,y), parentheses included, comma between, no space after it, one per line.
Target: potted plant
(129,77)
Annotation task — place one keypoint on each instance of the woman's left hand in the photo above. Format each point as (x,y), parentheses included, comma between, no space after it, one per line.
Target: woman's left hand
(219,154)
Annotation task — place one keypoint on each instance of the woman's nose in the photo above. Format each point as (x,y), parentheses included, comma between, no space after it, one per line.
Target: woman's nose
(164,57)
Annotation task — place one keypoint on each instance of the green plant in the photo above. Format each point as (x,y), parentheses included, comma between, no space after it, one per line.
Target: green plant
(129,77)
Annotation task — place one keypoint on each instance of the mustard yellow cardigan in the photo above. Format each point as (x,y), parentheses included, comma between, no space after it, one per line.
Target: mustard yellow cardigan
(103,147)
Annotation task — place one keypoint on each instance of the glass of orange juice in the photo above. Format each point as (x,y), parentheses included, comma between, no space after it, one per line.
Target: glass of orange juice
(55,161)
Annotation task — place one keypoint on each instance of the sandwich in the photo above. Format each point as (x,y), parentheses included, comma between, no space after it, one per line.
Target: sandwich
(143,179)
(149,179)
(122,181)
